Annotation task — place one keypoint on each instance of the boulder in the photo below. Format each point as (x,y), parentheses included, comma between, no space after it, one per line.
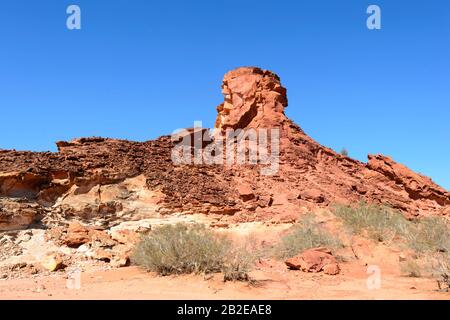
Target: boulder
(120,260)
(77,234)
(312,195)
(130,232)
(53,262)
(331,269)
(125,236)
(101,254)
(245,192)
(100,238)
(417,186)
(314,260)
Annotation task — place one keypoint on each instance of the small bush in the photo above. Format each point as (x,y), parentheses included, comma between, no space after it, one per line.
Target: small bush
(380,223)
(181,249)
(176,249)
(344,152)
(306,234)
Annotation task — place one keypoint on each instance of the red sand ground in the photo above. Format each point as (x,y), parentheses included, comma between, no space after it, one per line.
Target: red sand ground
(275,283)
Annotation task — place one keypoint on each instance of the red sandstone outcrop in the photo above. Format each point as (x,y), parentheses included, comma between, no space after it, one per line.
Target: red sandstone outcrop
(310,174)
(254,98)
(94,179)
(18,214)
(315,260)
(417,185)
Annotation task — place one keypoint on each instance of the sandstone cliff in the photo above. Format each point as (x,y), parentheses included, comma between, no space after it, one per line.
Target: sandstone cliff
(110,181)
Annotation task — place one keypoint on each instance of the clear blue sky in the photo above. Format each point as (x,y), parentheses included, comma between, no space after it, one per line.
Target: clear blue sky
(140,69)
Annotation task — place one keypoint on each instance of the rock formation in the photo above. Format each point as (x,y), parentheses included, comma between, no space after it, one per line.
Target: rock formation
(254,98)
(314,260)
(107,181)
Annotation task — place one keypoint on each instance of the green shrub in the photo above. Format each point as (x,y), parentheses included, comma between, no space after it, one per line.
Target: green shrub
(182,248)
(378,222)
(304,235)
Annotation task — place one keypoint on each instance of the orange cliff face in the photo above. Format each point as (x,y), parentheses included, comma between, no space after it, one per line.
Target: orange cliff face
(254,98)
(72,182)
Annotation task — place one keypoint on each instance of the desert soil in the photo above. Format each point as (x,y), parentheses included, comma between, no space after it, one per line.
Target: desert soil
(273,282)
(272,279)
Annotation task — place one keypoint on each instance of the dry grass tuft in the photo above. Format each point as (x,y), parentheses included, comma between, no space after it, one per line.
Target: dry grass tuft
(306,234)
(182,249)
(378,222)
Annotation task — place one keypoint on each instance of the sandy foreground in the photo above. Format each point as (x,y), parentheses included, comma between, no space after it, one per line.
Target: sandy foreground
(133,283)
(272,279)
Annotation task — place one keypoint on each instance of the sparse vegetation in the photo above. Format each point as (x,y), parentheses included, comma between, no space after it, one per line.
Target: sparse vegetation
(182,248)
(429,235)
(193,248)
(307,234)
(440,267)
(378,222)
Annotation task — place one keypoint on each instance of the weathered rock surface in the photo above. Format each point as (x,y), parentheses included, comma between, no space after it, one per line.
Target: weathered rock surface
(416,185)
(53,262)
(16,214)
(104,182)
(314,260)
(76,235)
(254,98)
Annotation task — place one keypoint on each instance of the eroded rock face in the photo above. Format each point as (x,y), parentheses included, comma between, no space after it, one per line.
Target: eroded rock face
(18,214)
(53,262)
(96,197)
(417,186)
(254,98)
(109,181)
(76,235)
